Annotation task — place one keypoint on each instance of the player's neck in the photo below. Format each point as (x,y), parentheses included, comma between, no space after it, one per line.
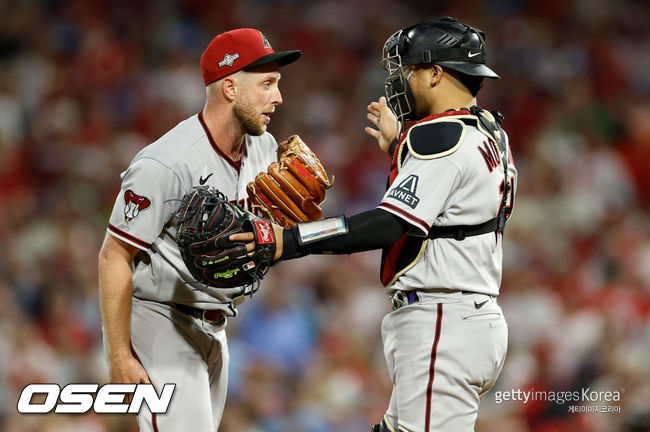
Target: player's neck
(227,137)
(447,105)
(450,95)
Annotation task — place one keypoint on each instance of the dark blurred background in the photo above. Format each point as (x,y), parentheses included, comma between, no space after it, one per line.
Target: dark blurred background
(86,84)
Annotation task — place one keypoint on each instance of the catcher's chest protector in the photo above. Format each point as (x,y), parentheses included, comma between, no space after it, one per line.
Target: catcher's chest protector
(437,137)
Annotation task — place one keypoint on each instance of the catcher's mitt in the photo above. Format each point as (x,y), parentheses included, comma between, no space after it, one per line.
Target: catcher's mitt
(291,189)
(206,220)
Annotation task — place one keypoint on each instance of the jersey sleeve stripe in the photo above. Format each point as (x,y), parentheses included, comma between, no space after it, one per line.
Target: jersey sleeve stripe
(394,209)
(128,237)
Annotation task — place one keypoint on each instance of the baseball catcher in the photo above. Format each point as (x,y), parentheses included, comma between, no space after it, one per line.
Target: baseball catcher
(292,189)
(440,225)
(206,219)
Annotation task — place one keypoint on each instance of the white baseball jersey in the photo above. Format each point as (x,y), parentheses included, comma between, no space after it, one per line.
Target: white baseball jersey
(152,187)
(447,173)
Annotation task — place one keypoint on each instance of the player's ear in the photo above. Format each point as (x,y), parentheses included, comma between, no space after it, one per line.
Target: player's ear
(435,75)
(229,88)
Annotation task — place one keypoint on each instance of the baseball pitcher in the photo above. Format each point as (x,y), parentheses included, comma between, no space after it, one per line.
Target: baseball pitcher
(161,324)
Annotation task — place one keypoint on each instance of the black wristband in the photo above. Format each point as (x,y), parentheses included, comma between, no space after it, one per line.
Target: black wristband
(291,246)
(392,146)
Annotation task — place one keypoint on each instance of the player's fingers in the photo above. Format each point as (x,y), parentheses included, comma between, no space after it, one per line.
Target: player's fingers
(372,132)
(374,119)
(241,237)
(141,375)
(373,107)
(384,109)
(389,116)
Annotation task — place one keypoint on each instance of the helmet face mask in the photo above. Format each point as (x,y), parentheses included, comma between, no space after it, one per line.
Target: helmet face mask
(397,88)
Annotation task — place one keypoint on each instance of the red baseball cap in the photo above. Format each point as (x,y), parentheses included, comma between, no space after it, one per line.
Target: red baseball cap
(237,49)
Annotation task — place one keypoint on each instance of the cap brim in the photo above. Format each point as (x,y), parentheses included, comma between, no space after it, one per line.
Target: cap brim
(475,69)
(282,58)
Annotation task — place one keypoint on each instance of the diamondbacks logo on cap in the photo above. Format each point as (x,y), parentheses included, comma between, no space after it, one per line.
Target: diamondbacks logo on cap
(265,41)
(228,59)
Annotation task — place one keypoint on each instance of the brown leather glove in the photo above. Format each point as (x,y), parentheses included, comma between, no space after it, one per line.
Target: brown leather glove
(292,189)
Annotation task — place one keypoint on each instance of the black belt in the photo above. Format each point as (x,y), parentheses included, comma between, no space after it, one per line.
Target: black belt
(213,316)
(403,298)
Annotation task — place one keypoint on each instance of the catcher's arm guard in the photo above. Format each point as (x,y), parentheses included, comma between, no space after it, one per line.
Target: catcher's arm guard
(292,188)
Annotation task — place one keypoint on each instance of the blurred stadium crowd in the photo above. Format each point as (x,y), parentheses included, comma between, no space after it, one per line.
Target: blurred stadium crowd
(85,84)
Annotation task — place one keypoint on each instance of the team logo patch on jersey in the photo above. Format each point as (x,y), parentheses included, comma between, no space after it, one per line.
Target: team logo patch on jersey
(405,191)
(228,59)
(134,204)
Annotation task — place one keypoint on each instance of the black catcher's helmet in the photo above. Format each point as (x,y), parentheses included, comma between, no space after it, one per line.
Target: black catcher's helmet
(446,42)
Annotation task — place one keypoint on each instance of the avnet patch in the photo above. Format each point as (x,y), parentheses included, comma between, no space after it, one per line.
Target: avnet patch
(405,191)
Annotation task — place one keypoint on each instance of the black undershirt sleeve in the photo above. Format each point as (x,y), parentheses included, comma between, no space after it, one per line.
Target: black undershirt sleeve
(373,229)
(392,146)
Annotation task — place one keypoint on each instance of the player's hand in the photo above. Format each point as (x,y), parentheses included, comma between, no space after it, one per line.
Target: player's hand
(127,370)
(249,239)
(385,122)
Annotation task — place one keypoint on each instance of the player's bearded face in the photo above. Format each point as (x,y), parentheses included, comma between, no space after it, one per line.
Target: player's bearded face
(257,99)
(249,117)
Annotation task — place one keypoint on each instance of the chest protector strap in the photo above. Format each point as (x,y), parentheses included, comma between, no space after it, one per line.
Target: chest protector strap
(488,123)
